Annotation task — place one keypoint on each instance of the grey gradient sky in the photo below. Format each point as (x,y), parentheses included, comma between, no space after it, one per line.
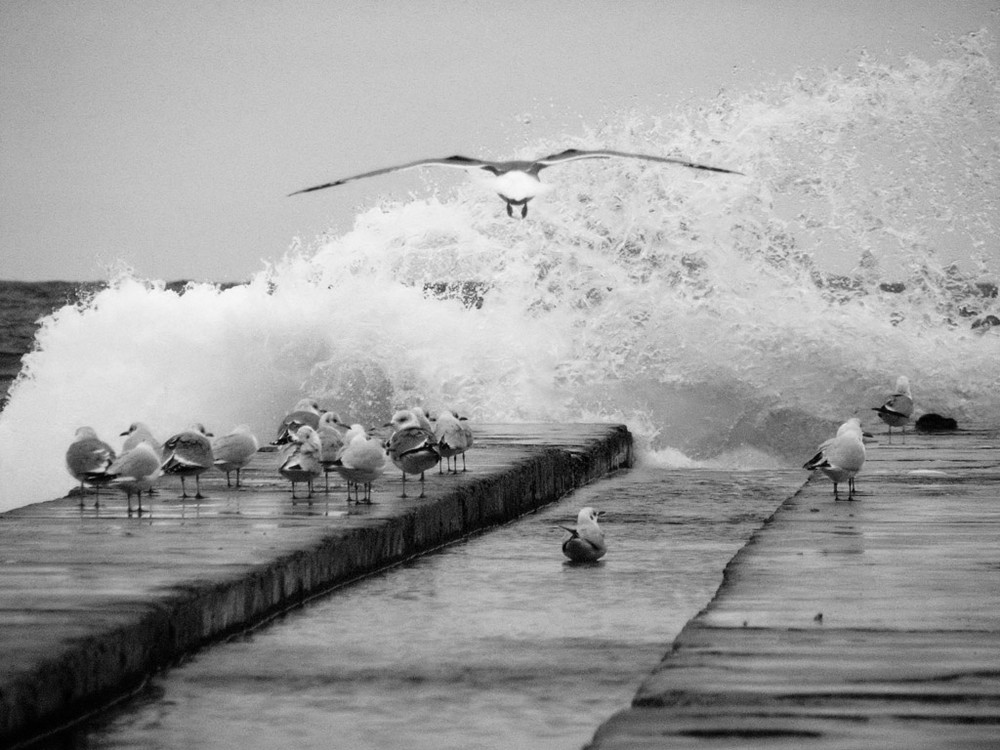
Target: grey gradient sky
(166,134)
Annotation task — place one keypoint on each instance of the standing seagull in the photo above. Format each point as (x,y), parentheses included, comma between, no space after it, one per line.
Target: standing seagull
(361,461)
(331,432)
(233,451)
(454,437)
(898,408)
(306,411)
(302,462)
(189,453)
(841,457)
(412,446)
(517,182)
(89,460)
(136,470)
(586,543)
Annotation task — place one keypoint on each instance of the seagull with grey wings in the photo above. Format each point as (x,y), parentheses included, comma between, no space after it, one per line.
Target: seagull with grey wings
(586,541)
(517,182)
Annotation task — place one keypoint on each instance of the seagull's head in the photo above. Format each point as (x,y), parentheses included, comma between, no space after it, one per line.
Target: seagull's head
(134,427)
(307,404)
(306,435)
(331,419)
(402,419)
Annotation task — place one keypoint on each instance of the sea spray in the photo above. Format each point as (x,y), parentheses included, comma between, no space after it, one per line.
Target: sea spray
(726,319)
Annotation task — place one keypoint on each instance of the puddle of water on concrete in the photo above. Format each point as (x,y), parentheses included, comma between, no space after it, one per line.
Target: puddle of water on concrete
(491,643)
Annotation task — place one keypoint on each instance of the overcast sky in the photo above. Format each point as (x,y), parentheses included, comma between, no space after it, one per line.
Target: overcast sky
(166,134)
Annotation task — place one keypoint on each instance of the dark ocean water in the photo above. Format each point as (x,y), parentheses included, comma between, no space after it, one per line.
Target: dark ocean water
(22,304)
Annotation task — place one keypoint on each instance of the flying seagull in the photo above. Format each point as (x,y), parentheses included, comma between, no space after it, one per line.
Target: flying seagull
(517,181)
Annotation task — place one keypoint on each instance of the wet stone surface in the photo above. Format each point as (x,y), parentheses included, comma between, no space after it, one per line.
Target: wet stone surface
(872,623)
(493,642)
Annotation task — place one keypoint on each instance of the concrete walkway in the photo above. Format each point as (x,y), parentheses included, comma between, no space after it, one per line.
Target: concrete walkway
(865,624)
(93,601)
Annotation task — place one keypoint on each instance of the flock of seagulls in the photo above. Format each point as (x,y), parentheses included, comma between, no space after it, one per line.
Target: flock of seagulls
(312,443)
(841,457)
(316,442)
(415,445)
(517,182)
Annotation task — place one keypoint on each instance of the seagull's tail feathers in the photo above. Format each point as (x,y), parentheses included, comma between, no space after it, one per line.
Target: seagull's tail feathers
(816,462)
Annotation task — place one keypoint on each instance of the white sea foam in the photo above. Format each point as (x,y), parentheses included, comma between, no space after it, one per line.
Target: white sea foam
(700,309)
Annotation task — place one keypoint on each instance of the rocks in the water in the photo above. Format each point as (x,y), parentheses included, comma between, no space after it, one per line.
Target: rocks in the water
(986,323)
(936,423)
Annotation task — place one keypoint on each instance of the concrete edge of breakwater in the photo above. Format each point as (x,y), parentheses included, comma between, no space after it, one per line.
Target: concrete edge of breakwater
(95,600)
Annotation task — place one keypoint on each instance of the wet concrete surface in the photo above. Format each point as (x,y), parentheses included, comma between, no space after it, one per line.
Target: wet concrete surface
(491,643)
(905,577)
(93,601)
(871,623)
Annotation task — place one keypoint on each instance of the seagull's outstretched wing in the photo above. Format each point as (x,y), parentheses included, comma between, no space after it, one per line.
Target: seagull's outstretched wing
(571,154)
(463,162)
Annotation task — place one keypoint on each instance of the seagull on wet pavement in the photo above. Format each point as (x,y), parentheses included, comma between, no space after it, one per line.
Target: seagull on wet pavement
(454,438)
(306,411)
(88,460)
(234,450)
(841,457)
(898,408)
(302,461)
(517,182)
(189,453)
(412,447)
(586,541)
(331,433)
(361,461)
(136,470)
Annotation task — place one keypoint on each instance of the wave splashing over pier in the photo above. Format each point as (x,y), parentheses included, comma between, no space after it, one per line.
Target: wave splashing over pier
(725,319)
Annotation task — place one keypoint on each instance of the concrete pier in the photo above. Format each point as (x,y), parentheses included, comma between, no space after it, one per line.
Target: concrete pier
(93,601)
(863,624)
